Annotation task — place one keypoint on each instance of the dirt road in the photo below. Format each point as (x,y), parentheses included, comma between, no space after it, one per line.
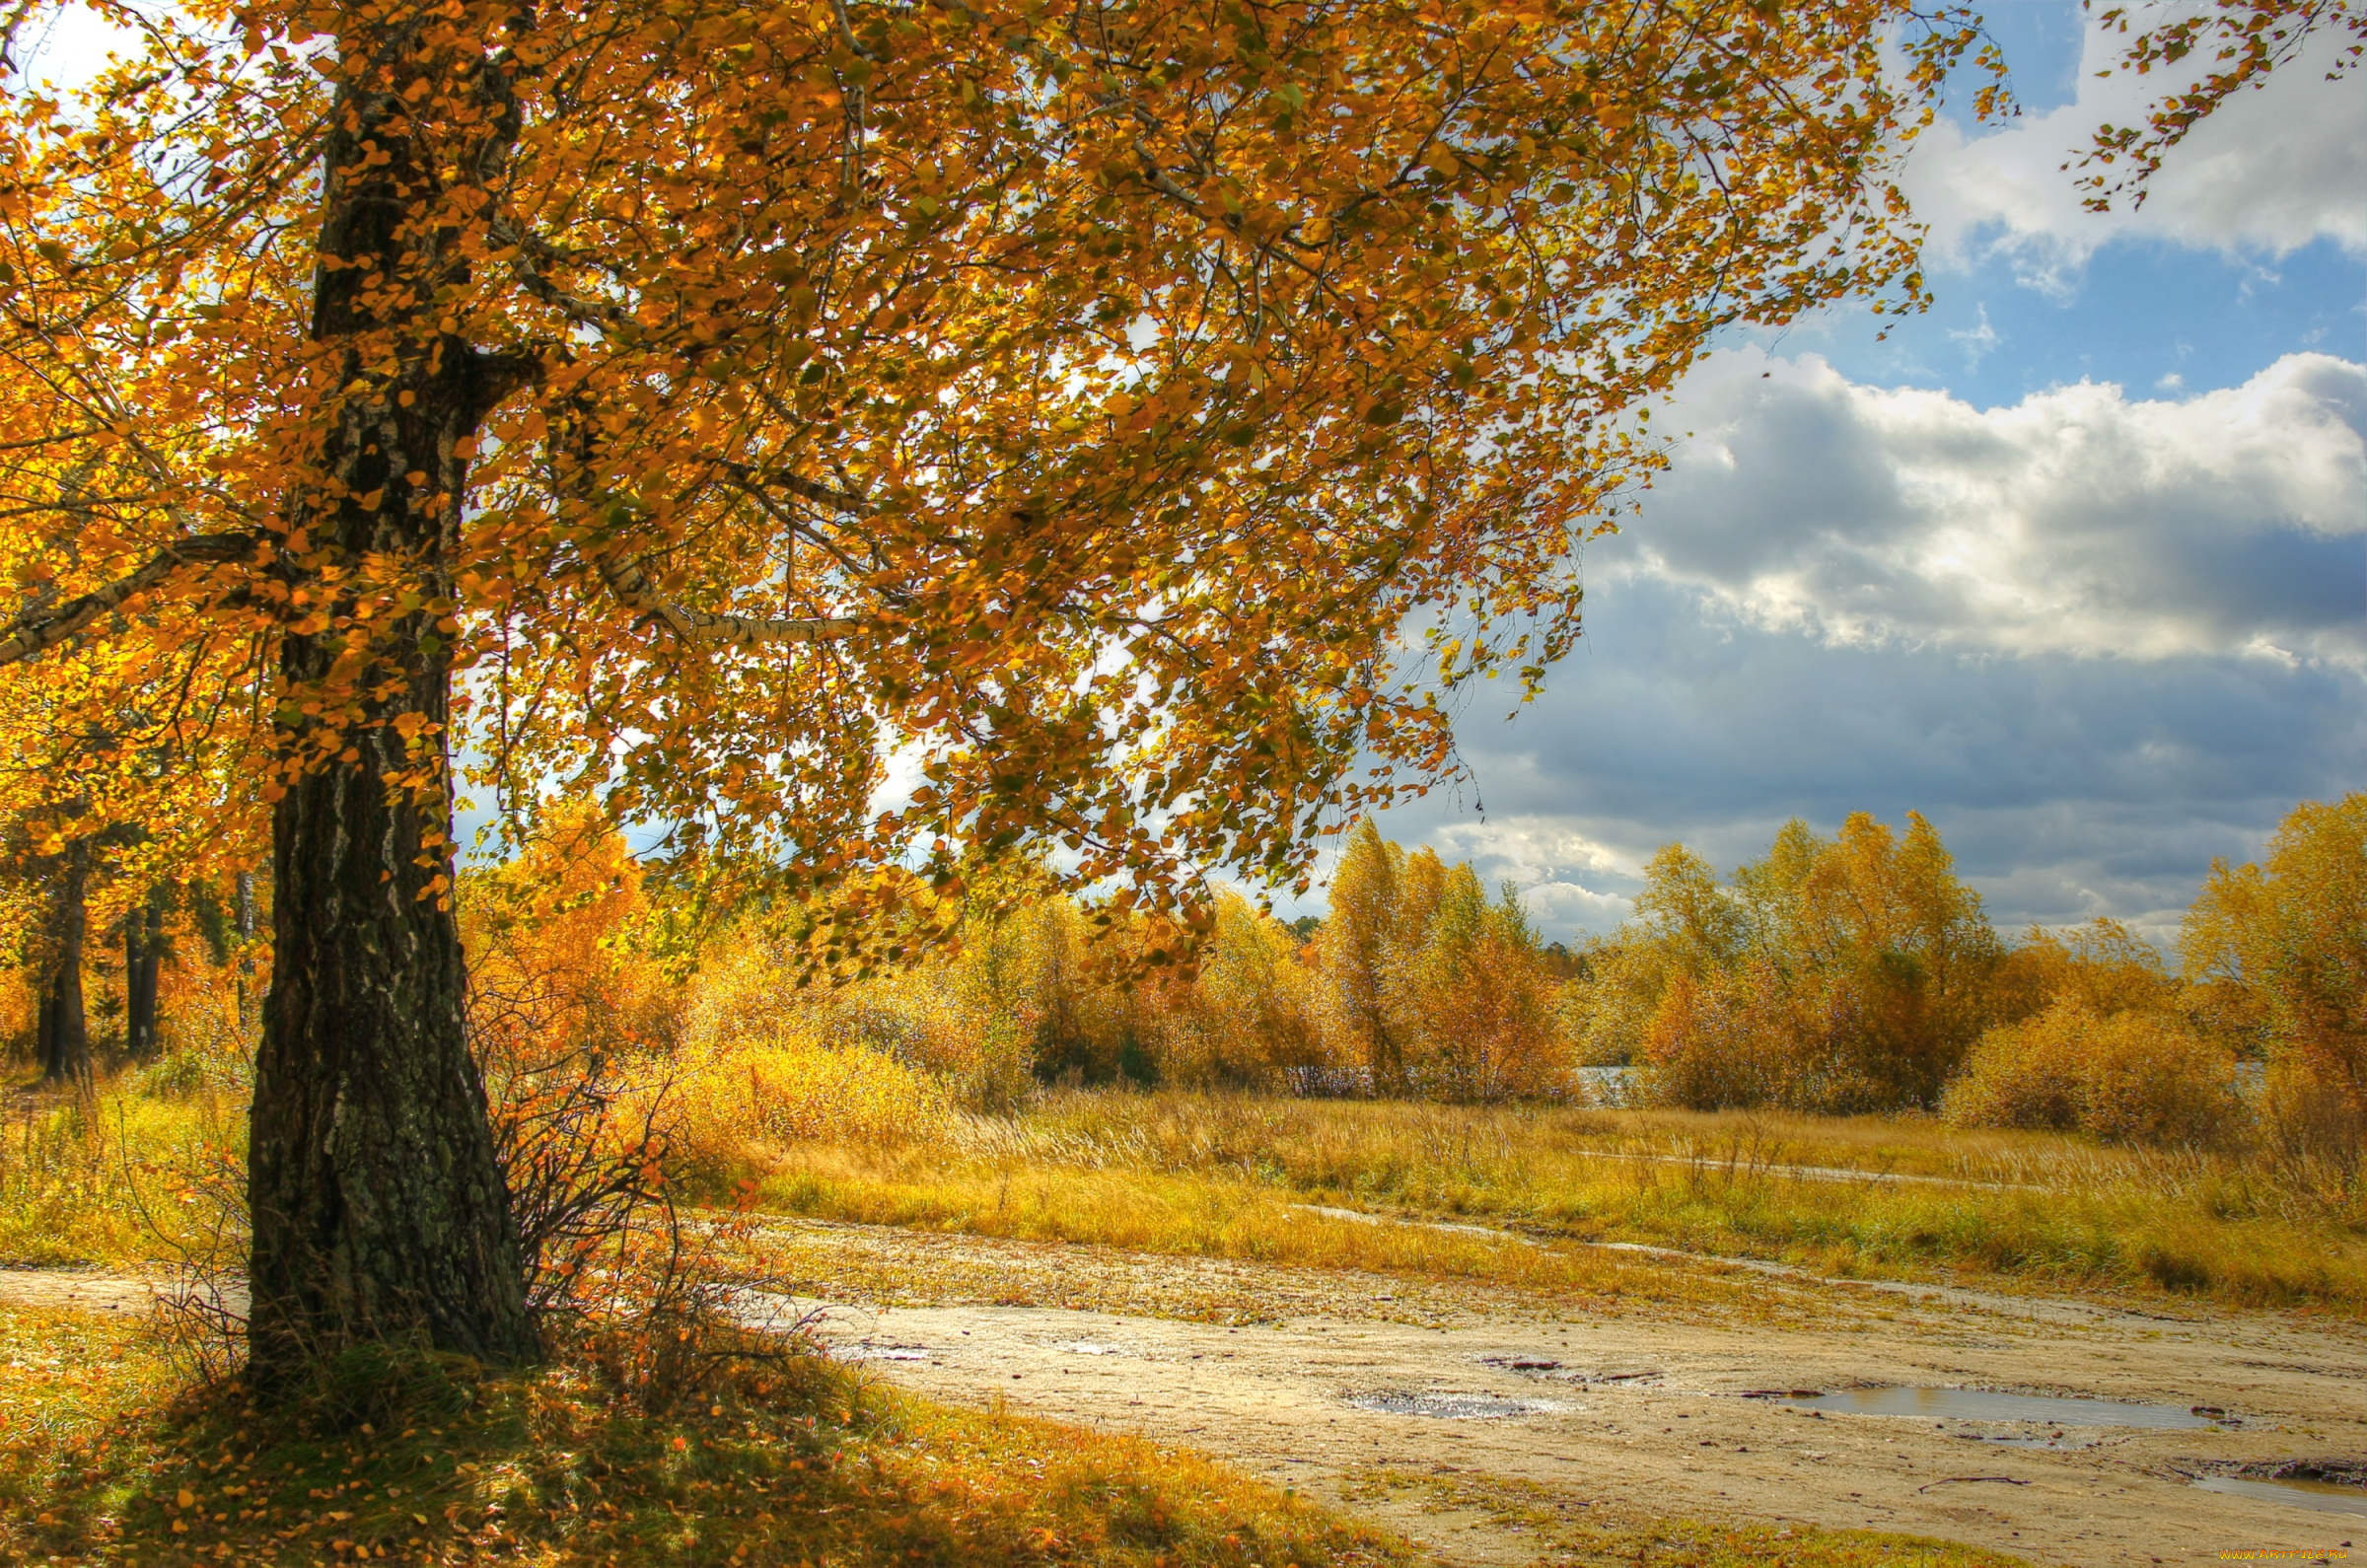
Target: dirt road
(1652,1409)
(1348,1385)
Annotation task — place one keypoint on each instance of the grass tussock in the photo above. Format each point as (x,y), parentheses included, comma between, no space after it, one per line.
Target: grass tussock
(1235,1175)
(108,1458)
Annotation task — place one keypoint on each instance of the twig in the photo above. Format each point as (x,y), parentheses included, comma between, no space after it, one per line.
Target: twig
(1951,1480)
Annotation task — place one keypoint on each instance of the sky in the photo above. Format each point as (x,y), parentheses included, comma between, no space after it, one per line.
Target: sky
(2075,564)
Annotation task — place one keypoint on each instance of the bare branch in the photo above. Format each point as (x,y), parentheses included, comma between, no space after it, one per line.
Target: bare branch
(839,501)
(634,589)
(526,265)
(36,631)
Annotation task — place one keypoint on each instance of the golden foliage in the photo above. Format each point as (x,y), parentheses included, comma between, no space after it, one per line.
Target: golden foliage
(2132,1075)
(552,940)
(1835,974)
(734,398)
(2280,952)
(2102,966)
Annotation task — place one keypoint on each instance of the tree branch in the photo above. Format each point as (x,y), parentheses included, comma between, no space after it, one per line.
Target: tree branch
(634,589)
(36,631)
(839,501)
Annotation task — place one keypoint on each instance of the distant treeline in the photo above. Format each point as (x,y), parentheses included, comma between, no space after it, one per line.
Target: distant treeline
(1842,974)
(1857,973)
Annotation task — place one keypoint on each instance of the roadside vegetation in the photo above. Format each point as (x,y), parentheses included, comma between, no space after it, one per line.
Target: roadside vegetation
(2099,1121)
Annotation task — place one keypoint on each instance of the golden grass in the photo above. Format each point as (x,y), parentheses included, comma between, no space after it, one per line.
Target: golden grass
(1602,1535)
(114,1175)
(1231,1175)
(105,1458)
(1212,1216)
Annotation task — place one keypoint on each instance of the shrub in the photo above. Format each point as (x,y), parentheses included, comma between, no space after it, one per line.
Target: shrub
(794,1086)
(1698,1048)
(2130,1077)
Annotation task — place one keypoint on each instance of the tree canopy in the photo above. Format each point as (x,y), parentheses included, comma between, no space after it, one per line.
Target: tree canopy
(832,430)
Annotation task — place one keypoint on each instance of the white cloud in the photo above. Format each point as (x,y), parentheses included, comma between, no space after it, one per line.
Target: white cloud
(2096,638)
(2077,522)
(1977,342)
(2273,170)
(1532,849)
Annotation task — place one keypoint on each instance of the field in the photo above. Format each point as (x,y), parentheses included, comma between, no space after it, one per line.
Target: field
(122,1176)
(1875,1197)
(1390,1245)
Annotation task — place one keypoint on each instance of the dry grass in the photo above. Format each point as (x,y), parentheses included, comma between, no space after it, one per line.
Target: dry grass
(114,1175)
(101,1179)
(1600,1535)
(1216,1216)
(1229,1175)
(106,1459)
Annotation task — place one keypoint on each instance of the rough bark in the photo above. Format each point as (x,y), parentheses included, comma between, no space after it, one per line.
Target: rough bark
(65,1027)
(379,1208)
(143,953)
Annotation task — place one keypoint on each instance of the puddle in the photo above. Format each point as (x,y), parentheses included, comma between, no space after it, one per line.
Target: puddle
(1976,1404)
(2325,1497)
(867,1351)
(1088,1347)
(1536,1366)
(1447,1406)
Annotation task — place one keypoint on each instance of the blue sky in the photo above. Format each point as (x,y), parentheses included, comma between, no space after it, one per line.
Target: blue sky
(2075,564)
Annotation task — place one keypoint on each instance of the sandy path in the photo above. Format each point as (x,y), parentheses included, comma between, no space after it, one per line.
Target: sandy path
(1303,1376)
(1645,1410)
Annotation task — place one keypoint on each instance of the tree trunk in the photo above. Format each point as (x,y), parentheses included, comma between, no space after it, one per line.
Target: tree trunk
(378,1206)
(143,951)
(242,922)
(66,1035)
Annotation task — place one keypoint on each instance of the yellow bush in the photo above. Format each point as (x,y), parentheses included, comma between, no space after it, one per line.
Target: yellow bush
(553,966)
(935,1019)
(795,1087)
(2130,1077)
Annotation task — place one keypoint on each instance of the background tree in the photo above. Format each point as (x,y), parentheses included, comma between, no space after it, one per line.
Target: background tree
(64,1030)
(2279,950)
(1841,974)
(1108,423)
(144,953)
(1355,942)
(1470,996)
